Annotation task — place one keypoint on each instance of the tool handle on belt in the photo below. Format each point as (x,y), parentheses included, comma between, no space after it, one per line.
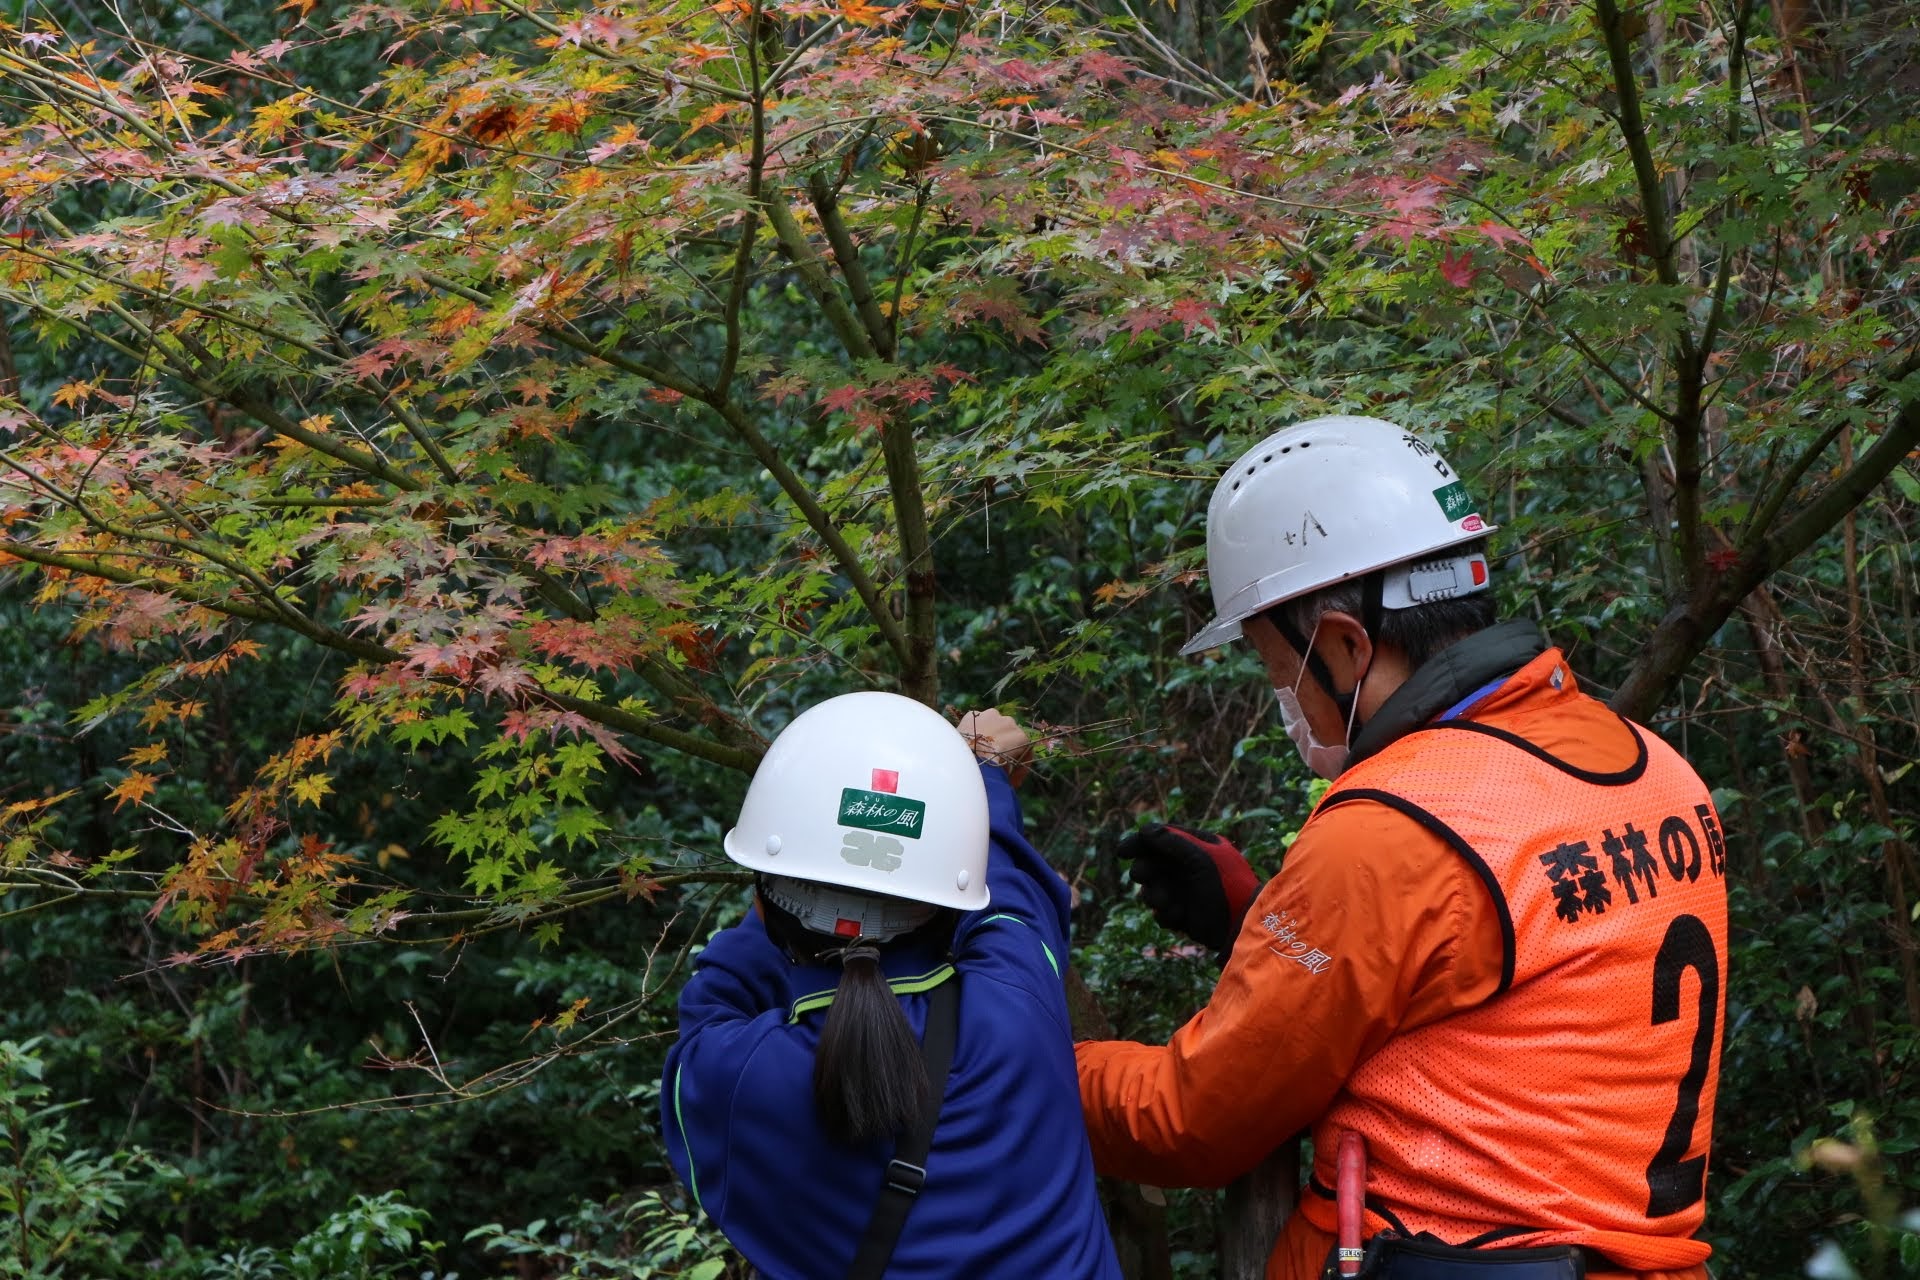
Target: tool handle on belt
(1350,1200)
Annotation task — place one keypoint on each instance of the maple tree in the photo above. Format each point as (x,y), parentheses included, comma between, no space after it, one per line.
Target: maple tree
(597,380)
(352,335)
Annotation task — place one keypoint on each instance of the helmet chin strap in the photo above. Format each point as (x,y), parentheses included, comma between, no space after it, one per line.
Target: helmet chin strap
(1370,615)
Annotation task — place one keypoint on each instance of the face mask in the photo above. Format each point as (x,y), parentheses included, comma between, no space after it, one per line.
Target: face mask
(1329,760)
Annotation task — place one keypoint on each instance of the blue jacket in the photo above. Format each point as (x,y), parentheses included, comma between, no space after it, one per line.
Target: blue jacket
(1009,1188)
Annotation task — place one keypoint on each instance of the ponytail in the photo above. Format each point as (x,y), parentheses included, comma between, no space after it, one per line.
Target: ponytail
(868,1079)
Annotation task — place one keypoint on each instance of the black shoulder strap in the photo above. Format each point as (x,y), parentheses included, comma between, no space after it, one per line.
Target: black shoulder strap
(906,1172)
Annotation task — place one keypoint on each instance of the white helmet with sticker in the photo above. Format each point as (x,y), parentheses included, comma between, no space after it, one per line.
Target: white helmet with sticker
(871,792)
(1323,501)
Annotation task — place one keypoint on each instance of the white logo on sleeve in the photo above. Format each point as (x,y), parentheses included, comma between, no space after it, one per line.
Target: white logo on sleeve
(1290,945)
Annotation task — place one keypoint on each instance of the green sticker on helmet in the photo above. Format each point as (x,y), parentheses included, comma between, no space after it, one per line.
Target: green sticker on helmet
(1453,500)
(877,811)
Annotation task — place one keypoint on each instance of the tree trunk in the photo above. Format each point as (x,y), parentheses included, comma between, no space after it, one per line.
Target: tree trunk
(1256,1207)
(1894,851)
(1136,1216)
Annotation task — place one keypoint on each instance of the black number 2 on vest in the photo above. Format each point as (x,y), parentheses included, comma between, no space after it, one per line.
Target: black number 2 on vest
(1674,1184)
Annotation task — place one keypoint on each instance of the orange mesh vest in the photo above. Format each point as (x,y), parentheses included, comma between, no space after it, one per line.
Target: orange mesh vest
(1576,1105)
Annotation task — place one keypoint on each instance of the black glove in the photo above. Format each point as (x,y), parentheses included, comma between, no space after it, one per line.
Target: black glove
(1194,882)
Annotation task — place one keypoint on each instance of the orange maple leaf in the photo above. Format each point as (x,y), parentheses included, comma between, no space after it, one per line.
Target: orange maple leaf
(567,119)
(496,122)
(712,115)
(135,789)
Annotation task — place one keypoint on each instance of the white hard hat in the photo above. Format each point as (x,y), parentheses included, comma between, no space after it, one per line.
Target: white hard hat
(873,792)
(1322,501)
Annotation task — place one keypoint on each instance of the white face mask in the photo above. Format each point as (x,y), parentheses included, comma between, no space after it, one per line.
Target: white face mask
(1329,760)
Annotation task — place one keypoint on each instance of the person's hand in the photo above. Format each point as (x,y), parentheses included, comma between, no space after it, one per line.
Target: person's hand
(1194,882)
(998,739)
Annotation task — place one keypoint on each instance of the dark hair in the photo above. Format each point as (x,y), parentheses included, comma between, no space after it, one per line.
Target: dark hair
(868,1077)
(869,1080)
(1419,632)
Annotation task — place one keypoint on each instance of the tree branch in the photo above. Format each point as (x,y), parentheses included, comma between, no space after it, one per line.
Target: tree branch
(1765,512)
(750,222)
(661,676)
(1690,623)
(644,72)
(915,648)
(790,483)
(813,274)
(904,259)
(9,372)
(1653,196)
(743,758)
(920,677)
(879,331)
(1817,517)
(816,516)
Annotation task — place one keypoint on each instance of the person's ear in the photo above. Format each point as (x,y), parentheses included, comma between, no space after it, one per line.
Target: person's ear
(1343,644)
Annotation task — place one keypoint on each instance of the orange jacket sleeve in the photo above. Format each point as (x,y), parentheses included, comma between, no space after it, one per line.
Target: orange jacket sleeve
(1372,924)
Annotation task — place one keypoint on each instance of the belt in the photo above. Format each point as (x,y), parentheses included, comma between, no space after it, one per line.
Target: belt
(1394,1257)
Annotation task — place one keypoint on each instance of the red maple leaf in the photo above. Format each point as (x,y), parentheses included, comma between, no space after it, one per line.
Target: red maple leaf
(503,680)
(1415,210)
(1130,196)
(1501,233)
(914,390)
(194,272)
(1409,199)
(1104,66)
(841,399)
(1194,314)
(1457,269)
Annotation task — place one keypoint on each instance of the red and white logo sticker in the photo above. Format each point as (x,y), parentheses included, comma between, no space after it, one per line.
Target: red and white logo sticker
(1473,524)
(887,780)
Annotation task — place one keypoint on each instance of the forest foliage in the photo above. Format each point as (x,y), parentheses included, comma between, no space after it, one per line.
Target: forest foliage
(442,440)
